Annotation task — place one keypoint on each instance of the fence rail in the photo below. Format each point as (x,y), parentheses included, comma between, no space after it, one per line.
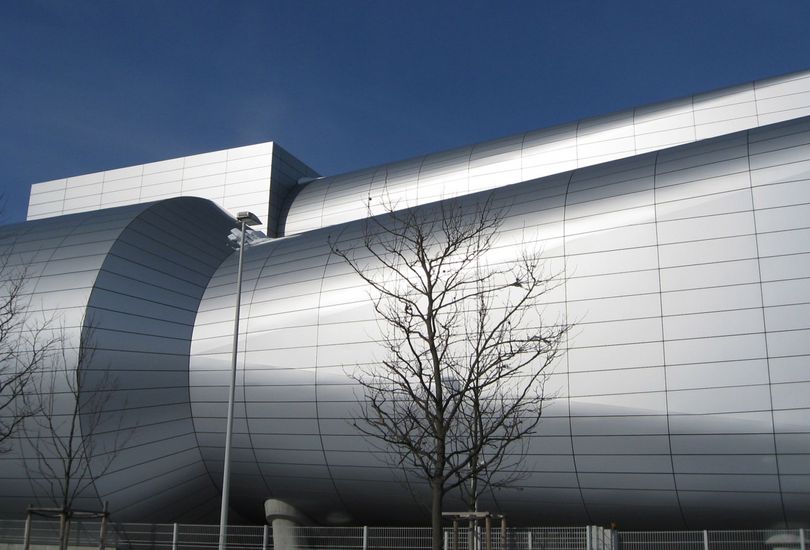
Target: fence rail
(85,535)
(763,539)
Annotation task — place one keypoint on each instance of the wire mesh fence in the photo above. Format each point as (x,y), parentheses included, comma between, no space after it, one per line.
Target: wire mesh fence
(755,540)
(546,538)
(45,532)
(134,536)
(759,539)
(12,531)
(333,538)
(141,536)
(396,538)
(663,540)
(86,535)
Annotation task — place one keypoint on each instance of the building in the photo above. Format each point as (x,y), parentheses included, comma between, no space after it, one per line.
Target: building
(681,230)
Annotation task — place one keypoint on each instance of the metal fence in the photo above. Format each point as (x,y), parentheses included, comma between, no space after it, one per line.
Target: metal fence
(761,539)
(133,536)
(85,535)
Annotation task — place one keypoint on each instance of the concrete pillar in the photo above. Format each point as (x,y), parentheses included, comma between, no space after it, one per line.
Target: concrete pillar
(283,518)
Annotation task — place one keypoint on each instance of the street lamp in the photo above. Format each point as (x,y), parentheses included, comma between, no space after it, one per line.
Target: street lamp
(245,218)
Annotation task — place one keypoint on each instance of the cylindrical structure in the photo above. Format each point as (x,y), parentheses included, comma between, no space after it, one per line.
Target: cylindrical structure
(124,285)
(677,402)
(680,400)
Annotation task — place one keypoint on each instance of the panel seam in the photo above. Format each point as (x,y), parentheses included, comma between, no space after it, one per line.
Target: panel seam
(663,343)
(567,349)
(765,330)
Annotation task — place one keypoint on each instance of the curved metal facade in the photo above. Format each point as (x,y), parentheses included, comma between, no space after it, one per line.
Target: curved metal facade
(127,282)
(681,401)
(338,199)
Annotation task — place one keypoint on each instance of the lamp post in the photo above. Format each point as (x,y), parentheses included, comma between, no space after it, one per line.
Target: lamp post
(245,218)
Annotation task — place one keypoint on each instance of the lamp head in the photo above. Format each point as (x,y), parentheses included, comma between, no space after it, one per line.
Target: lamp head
(248,218)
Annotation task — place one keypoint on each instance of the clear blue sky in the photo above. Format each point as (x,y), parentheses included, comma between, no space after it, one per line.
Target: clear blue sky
(91,85)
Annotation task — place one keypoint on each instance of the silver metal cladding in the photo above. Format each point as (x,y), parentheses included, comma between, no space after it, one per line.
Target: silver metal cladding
(681,235)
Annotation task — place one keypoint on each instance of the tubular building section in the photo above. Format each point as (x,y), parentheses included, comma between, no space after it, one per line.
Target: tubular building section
(523,157)
(682,237)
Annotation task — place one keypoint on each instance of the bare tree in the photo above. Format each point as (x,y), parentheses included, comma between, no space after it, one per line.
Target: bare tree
(24,345)
(77,432)
(460,386)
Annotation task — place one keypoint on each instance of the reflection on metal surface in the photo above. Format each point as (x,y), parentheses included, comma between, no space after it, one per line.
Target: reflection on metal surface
(259,178)
(682,399)
(539,153)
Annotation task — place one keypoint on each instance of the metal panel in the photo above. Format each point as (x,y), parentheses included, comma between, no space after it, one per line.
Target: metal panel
(686,271)
(576,145)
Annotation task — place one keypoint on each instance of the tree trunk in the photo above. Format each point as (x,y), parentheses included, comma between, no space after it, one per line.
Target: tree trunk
(64,529)
(436,514)
(473,504)
(67,532)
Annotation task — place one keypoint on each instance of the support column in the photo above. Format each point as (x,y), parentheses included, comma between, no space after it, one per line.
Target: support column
(284,518)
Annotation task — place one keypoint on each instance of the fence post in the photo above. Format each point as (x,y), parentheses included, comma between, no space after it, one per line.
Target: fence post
(801,539)
(27,537)
(447,537)
(102,535)
(174,537)
(587,537)
(705,540)
(265,533)
(62,529)
(530,539)
(365,537)
(487,533)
